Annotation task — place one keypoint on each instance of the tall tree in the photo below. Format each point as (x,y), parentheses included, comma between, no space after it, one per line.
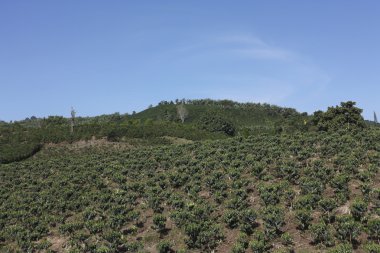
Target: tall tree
(346,116)
(375,117)
(72,121)
(182,112)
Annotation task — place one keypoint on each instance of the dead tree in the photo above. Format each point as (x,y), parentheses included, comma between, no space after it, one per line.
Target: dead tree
(72,120)
(182,112)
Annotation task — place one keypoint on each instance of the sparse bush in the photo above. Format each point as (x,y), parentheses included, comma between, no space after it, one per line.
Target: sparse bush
(243,240)
(372,247)
(258,246)
(273,217)
(248,220)
(304,218)
(347,228)
(270,194)
(238,248)
(287,239)
(103,249)
(159,222)
(358,209)
(374,228)
(341,248)
(231,218)
(321,233)
(164,247)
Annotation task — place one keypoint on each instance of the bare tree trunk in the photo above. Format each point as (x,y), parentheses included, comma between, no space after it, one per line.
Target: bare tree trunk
(72,121)
(182,112)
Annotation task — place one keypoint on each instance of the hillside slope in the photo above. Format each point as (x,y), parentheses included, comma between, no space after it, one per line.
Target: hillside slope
(154,126)
(308,192)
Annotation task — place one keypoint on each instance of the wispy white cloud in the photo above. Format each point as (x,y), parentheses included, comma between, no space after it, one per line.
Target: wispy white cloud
(256,48)
(265,53)
(244,67)
(300,71)
(242,39)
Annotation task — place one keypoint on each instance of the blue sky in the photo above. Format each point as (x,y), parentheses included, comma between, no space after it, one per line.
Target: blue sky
(119,56)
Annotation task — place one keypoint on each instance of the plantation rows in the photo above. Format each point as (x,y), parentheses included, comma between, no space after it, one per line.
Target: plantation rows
(308,192)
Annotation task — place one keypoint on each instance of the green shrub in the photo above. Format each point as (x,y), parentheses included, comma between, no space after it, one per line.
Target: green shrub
(358,209)
(327,205)
(159,222)
(133,246)
(43,245)
(346,116)
(112,236)
(273,217)
(231,218)
(164,247)
(209,238)
(308,201)
(311,186)
(340,183)
(270,194)
(243,240)
(372,247)
(304,218)
(216,123)
(248,221)
(103,249)
(69,228)
(238,248)
(287,239)
(321,233)
(258,246)
(347,228)
(373,226)
(341,248)
(203,236)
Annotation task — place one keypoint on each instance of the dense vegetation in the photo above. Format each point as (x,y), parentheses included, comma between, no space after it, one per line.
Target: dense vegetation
(346,116)
(314,190)
(18,142)
(247,118)
(206,119)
